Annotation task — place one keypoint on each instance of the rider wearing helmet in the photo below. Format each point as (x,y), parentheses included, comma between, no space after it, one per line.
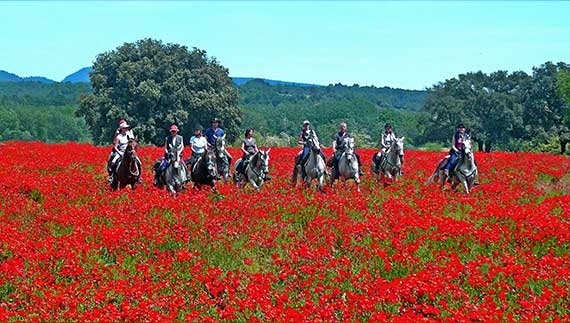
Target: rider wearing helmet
(173,141)
(338,146)
(456,146)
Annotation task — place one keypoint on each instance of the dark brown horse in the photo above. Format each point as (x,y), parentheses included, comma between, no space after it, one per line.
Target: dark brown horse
(205,171)
(128,171)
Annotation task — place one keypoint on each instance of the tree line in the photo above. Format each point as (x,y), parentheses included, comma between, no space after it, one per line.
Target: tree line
(507,111)
(152,84)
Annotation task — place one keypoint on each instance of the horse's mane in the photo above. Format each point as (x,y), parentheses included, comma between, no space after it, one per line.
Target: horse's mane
(255,158)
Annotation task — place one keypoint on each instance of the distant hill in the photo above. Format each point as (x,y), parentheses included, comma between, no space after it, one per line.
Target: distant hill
(243,80)
(9,77)
(83,76)
(80,76)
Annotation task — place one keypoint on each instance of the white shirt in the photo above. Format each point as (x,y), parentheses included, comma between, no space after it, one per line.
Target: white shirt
(199,143)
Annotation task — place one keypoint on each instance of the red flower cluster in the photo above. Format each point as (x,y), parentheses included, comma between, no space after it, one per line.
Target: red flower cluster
(71,250)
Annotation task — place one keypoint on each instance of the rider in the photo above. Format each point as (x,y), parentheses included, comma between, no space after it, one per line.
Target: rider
(456,146)
(248,148)
(120,141)
(198,145)
(338,146)
(174,141)
(212,135)
(304,135)
(386,141)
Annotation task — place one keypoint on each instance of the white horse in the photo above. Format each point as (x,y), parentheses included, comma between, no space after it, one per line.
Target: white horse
(255,171)
(391,165)
(222,161)
(175,175)
(465,171)
(348,165)
(315,166)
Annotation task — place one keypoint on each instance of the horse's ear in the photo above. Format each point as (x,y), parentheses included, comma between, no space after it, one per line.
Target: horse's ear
(403,138)
(268,150)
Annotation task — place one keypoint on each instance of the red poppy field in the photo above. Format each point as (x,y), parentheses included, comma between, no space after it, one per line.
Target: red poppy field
(71,250)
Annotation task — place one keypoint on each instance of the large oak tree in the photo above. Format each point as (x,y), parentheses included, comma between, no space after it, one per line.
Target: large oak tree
(152,85)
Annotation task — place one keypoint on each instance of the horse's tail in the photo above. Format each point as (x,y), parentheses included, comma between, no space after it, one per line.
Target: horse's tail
(434,176)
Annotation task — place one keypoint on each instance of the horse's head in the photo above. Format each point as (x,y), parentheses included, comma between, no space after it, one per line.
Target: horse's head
(313,143)
(398,145)
(221,145)
(209,163)
(263,160)
(131,150)
(467,147)
(349,148)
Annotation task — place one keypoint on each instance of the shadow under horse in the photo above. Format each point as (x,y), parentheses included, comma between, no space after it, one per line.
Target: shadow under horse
(127,171)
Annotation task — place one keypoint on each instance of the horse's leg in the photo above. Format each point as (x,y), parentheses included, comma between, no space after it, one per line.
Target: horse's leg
(320,182)
(254,184)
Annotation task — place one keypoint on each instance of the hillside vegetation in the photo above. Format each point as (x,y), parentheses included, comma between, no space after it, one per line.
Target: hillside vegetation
(503,111)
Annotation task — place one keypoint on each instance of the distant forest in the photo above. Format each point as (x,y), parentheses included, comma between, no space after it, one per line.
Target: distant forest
(503,111)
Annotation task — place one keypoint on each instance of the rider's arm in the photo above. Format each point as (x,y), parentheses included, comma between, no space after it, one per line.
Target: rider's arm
(116,145)
(243,148)
(192,146)
(255,146)
(300,139)
(334,145)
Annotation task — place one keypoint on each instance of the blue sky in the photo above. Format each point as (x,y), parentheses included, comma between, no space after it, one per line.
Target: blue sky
(406,44)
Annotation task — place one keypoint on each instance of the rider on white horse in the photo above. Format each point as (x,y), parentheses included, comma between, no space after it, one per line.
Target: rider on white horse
(304,135)
(174,141)
(248,148)
(386,140)
(338,146)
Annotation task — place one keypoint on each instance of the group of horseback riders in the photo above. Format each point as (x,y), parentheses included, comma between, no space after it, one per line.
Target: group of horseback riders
(200,143)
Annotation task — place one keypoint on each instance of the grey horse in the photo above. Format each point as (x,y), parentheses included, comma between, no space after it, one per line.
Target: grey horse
(348,165)
(222,161)
(391,165)
(174,177)
(315,166)
(255,171)
(465,172)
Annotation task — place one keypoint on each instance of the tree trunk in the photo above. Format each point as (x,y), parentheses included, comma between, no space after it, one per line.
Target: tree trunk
(563,146)
(488,147)
(480,145)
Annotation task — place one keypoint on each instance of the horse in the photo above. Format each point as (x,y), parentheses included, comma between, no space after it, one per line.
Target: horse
(315,166)
(255,171)
(465,171)
(222,162)
(348,165)
(390,166)
(127,171)
(175,174)
(205,170)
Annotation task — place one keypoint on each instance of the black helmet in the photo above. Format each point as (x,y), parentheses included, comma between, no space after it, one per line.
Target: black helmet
(198,127)
(387,125)
(215,120)
(461,125)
